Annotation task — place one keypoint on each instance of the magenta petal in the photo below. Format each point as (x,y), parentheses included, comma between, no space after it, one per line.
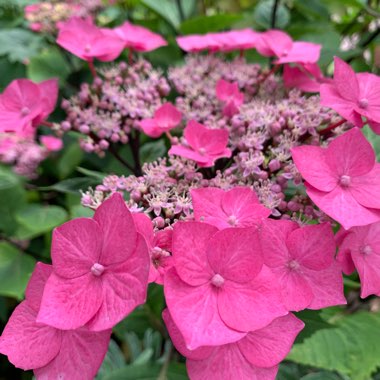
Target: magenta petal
(345,80)
(70,303)
(295,77)
(194,310)
(144,226)
(252,305)
(150,128)
(49,94)
(189,250)
(124,287)
(313,246)
(235,254)
(227,362)
(167,116)
(182,151)
(76,246)
(312,164)
(269,346)
(118,230)
(345,240)
(366,188)
(28,344)
(300,51)
(80,357)
(179,342)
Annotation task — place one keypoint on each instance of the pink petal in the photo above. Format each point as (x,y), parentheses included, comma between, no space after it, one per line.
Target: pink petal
(150,128)
(344,241)
(366,188)
(252,305)
(369,85)
(227,362)
(311,162)
(167,116)
(81,355)
(306,52)
(194,310)
(189,250)
(350,154)
(274,42)
(179,150)
(179,343)
(118,230)
(270,345)
(226,90)
(345,80)
(340,205)
(296,78)
(51,143)
(70,303)
(144,226)
(313,246)
(235,254)
(106,48)
(76,246)
(375,126)
(124,287)
(49,94)
(28,344)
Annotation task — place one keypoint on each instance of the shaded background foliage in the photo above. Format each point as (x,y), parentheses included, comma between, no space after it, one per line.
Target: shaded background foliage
(337,343)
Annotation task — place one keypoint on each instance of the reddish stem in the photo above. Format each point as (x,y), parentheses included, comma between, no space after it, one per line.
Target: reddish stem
(241,53)
(92,68)
(130,56)
(268,74)
(46,123)
(332,126)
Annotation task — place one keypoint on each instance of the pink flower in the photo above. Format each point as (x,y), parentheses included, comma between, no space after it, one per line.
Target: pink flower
(165,118)
(280,44)
(308,77)
(353,95)
(195,43)
(254,357)
(238,207)
(360,249)
(85,40)
(139,38)
(229,93)
(51,143)
(218,288)
(51,353)
(235,39)
(100,272)
(204,145)
(343,180)
(159,245)
(25,104)
(303,262)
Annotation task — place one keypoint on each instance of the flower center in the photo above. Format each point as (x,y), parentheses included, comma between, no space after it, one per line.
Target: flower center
(87,48)
(202,151)
(217,280)
(345,180)
(363,103)
(25,111)
(97,269)
(232,220)
(293,265)
(365,250)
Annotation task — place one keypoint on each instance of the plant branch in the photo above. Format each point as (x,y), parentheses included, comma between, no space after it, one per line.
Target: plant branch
(114,152)
(332,126)
(135,147)
(180,10)
(274,13)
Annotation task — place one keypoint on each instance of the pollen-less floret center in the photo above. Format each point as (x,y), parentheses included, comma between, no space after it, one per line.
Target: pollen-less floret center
(217,280)
(25,111)
(345,180)
(232,220)
(363,103)
(97,269)
(293,265)
(87,48)
(366,249)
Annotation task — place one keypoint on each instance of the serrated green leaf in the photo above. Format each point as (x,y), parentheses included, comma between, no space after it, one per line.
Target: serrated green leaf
(113,361)
(15,270)
(206,24)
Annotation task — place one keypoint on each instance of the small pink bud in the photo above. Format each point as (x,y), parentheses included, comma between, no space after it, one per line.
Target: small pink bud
(345,180)
(217,280)
(274,165)
(97,269)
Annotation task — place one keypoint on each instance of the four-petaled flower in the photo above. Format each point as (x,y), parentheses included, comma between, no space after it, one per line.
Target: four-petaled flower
(230,95)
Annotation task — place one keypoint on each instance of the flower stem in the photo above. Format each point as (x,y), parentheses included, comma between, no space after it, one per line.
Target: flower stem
(92,68)
(332,126)
(268,74)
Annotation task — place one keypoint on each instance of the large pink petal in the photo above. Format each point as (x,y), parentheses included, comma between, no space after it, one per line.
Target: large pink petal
(327,286)
(167,116)
(69,41)
(190,154)
(76,246)
(340,205)
(150,128)
(81,355)
(49,94)
(235,254)
(227,362)
(70,303)
(124,287)
(313,246)
(106,48)
(277,43)
(307,52)
(366,188)
(225,90)
(273,235)
(252,305)
(268,346)
(179,342)
(311,163)
(350,154)
(145,227)
(369,85)
(295,77)
(194,310)
(344,242)
(36,285)
(29,344)
(345,80)
(189,250)
(118,230)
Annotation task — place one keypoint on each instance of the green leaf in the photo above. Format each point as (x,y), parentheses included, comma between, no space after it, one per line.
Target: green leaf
(138,321)
(19,44)
(10,71)
(135,372)
(71,185)
(48,64)
(69,159)
(263,15)
(79,211)
(374,139)
(323,375)
(177,371)
(91,173)
(313,322)
(15,270)
(206,24)
(35,220)
(312,9)
(113,361)
(351,347)
(152,150)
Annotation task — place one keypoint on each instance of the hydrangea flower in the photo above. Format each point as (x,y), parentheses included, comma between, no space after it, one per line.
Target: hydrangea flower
(360,248)
(353,95)
(85,40)
(238,207)
(51,143)
(254,357)
(101,268)
(303,262)
(218,288)
(343,180)
(229,93)
(165,118)
(51,353)
(205,145)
